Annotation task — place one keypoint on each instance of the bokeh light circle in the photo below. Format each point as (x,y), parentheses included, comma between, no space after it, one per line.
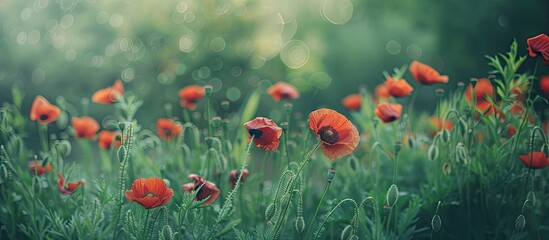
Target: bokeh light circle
(295,54)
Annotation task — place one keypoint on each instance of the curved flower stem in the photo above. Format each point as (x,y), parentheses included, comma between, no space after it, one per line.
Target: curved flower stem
(330,214)
(307,158)
(318,208)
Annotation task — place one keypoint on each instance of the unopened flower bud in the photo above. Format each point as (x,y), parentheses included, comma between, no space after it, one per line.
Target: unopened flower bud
(520,222)
(531,197)
(392,195)
(397,146)
(473,82)
(284,126)
(270,211)
(446,168)
(347,232)
(225,105)
(208,89)
(299,224)
(432,153)
(215,122)
(288,107)
(331,174)
(439,92)
(436,223)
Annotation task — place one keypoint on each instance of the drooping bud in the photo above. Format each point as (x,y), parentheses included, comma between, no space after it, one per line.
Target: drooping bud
(347,232)
(436,223)
(432,153)
(520,222)
(121,153)
(444,136)
(446,168)
(166,233)
(270,211)
(531,197)
(392,195)
(299,224)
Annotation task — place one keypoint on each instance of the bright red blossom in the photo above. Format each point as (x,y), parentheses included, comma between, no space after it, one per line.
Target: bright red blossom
(539,45)
(338,135)
(207,189)
(168,128)
(70,187)
(42,111)
(539,160)
(106,139)
(283,90)
(109,95)
(36,168)
(425,74)
(233,176)
(382,92)
(352,102)
(398,87)
(544,85)
(483,89)
(190,95)
(266,133)
(85,127)
(388,112)
(149,192)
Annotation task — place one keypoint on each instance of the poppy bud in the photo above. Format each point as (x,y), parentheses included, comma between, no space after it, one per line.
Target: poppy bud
(397,146)
(270,211)
(432,153)
(473,82)
(121,153)
(225,105)
(531,197)
(208,89)
(439,92)
(436,223)
(288,107)
(166,233)
(225,122)
(284,126)
(460,84)
(347,232)
(215,122)
(520,222)
(446,168)
(331,174)
(299,224)
(392,195)
(122,126)
(444,136)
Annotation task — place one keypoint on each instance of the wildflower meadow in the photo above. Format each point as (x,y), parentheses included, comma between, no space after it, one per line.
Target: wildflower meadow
(199,163)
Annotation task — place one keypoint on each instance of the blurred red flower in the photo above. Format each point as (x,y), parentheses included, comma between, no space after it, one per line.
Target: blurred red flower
(425,74)
(388,112)
(544,85)
(338,135)
(85,127)
(283,90)
(42,111)
(36,168)
(106,139)
(539,160)
(233,176)
(109,95)
(207,189)
(483,89)
(168,128)
(398,87)
(149,192)
(539,44)
(266,133)
(70,187)
(190,95)
(352,102)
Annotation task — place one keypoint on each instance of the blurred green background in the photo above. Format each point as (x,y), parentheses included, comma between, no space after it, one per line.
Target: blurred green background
(327,48)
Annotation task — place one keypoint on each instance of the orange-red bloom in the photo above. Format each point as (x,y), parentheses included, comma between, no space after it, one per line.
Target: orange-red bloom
(207,189)
(233,176)
(382,91)
(352,102)
(84,127)
(283,90)
(398,87)
(190,95)
(544,85)
(70,187)
(36,168)
(109,95)
(425,74)
(106,139)
(338,135)
(437,122)
(42,111)
(388,112)
(168,128)
(149,192)
(539,44)
(483,89)
(539,160)
(266,133)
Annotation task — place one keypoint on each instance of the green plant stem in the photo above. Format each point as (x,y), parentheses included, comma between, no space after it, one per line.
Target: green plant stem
(209,116)
(144,235)
(317,209)
(285,140)
(43,135)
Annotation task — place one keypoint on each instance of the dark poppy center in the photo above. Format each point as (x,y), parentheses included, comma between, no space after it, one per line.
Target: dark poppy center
(149,194)
(255,132)
(285,95)
(167,132)
(328,134)
(391,118)
(44,117)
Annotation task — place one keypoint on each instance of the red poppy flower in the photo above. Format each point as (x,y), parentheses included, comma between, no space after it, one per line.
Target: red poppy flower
(106,139)
(190,95)
(36,168)
(42,111)
(483,89)
(539,160)
(233,176)
(282,90)
(544,85)
(436,124)
(109,95)
(85,127)
(425,74)
(207,189)
(519,91)
(168,128)
(149,192)
(388,112)
(382,91)
(71,186)
(539,44)
(398,87)
(338,135)
(352,102)
(266,133)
